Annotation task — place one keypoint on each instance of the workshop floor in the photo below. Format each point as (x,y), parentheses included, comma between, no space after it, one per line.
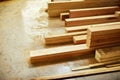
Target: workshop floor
(23,24)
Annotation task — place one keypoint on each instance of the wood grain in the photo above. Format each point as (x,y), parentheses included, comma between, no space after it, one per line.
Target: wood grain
(93,11)
(55,8)
(91,20)
(62,38)
(59,52)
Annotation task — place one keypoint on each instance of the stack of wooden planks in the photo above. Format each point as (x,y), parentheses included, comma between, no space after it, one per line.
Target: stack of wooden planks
(93,27)
(108,54)
(97,37)
(103,36)
(89,16)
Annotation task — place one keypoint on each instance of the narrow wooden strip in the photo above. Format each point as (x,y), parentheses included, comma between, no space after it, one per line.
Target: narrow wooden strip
(91,20)
(93,11)
(59,52)
(95,65)
(84,28)
(76,28)
(67,37)
(64,16)
(80,73)
(79,39)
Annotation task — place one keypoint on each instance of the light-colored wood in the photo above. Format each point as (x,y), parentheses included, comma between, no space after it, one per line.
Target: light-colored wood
(55,8)
(76,28)
(79,39)
(103,36)
(67,37)
(113,65)
(101,64)
(108,52)
(91,20)
(81,73)
(64,16)
(59,53)
(15,43)
(84,28)
(93,11)
(107,59)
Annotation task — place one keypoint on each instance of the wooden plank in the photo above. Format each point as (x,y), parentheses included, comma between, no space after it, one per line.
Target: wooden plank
(79,39)
(75,50)
(84,28)
(52,54)
(101,64)
(91,20)
(107,59)
(108,52)
(93,11)
(61,38)
(113,65)
(103,36)
(55,8)
(64,16)
(80,73)
(76,28)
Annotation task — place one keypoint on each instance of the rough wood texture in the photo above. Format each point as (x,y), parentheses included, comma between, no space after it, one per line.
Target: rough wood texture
(67,37)
(80,73)
(93,11)
(55,8)
(79,39)
(91,20)
(59,52)
(64,16)
(106,54)
(103,36)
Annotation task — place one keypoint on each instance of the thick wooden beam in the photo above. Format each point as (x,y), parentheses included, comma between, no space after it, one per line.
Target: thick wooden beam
(61,38)
(93,11)
(55,8)
(52,54)
(80,73)
(103,36)
(91,20)
(64,16)
(79,39)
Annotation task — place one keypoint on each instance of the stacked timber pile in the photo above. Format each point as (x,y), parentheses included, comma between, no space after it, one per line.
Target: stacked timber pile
(93,26)
(108,54)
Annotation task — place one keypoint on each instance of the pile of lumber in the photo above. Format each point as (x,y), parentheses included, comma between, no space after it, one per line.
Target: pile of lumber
(57,7)
(97,37)
(92,27)
(103,36)
(108,54)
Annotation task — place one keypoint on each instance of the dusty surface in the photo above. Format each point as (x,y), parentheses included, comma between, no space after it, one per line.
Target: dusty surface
(23,24)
